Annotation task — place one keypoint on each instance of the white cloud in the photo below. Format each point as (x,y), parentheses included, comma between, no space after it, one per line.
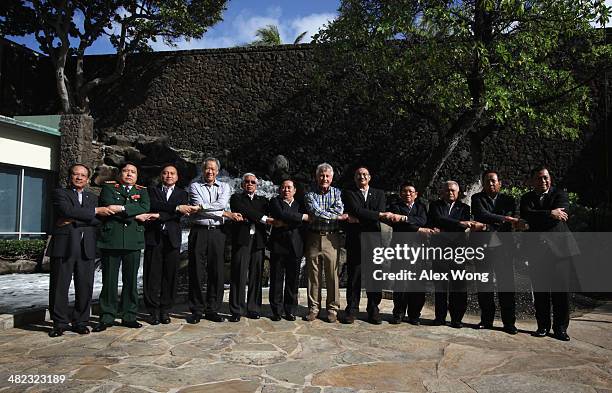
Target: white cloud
(245,25)
(241,30)
(203,43)
(310,23)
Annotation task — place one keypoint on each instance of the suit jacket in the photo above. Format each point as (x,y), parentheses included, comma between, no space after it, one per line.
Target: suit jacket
(536,212)
(367,213)
(493,213)
(417,216)
(365,210)
(66,240)
(287,240)
(121,231)
(252,210)
(168,216)
(440,217)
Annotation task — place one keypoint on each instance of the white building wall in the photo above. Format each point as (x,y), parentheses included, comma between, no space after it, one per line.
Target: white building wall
(23,147)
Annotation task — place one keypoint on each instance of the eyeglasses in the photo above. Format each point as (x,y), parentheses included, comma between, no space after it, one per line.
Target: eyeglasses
(250,182)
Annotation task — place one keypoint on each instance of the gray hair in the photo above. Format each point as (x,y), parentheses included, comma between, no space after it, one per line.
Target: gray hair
(207,159)
(247,175)
(448,183)
(324,167)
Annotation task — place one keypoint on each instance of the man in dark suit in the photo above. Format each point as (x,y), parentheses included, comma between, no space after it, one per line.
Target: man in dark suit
(163,243)
(544,209)
(496,210)
(365,206)
(121,239)
(448,214)
(413,218)
(248,245)
(286,250)
(73,252)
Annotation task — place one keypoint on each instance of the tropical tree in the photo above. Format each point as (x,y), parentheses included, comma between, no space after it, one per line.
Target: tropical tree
(64,29)
(468,68)
(269,35)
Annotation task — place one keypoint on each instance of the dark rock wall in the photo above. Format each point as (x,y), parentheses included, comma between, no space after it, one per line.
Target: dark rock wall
(27,84)
(247,105)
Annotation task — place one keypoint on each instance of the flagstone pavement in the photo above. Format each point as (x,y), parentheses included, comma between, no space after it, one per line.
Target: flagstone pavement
(265,356)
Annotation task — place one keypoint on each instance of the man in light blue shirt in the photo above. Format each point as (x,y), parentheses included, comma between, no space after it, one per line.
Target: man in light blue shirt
(207,242)
(323,242)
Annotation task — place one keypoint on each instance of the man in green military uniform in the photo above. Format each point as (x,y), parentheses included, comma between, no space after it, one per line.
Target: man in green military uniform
(120,240)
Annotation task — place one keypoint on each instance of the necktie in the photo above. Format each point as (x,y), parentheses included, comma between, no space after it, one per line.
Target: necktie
(165,191)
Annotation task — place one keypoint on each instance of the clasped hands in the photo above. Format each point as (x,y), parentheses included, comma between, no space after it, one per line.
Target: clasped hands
(183,209)
(473,226)
(103,211)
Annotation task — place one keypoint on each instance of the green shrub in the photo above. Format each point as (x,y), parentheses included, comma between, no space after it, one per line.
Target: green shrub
(22,249)
(518,192)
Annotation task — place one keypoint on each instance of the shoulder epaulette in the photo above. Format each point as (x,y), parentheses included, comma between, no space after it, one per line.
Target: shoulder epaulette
(110,182)
(139,187)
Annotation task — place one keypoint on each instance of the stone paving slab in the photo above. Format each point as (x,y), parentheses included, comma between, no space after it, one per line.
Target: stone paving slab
(318,357)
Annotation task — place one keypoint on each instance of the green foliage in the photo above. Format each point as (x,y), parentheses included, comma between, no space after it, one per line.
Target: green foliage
(518,192)
(267,36)
(22,249)
(515,192)
(470,67)
(131,26)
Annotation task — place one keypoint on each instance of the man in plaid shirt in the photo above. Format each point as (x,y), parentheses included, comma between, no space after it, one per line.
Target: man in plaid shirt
(323,242)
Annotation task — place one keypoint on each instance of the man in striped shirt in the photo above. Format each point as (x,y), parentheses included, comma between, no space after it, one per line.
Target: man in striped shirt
(323,242)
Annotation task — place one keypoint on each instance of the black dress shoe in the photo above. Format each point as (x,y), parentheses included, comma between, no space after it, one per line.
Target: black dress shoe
(80,329)
(193,319)
(131,324)
(290,317)
(234,318)
(456,324)
(154,319)
(275,317)
(349,319)
(484,325)
(510,329)
(375,319)
(56,332)
(102,326)
(541,332)
(439,322)
(214,317)
(395,320)
(253,315)
(414,321)
(165,319)
(561,335)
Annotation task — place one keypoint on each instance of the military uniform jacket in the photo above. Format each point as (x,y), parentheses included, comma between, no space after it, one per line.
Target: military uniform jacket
(121,231)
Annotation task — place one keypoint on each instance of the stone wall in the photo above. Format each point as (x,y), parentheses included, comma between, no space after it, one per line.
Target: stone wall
(76,142)
(27,84)
(247,105)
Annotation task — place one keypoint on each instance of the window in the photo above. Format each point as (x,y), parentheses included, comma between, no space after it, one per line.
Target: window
(9,199)
(24,202)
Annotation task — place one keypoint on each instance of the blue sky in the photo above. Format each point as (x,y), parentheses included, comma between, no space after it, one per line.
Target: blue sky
(240,21)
